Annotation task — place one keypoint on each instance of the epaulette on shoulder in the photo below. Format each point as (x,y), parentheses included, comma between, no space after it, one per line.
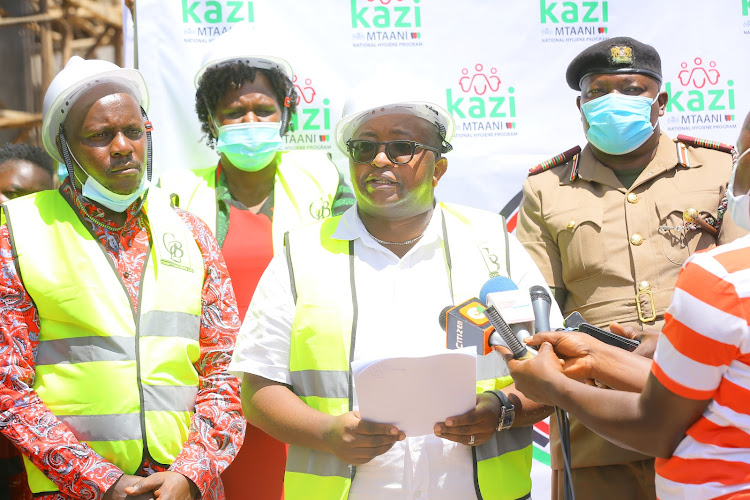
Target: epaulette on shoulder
(683,141)
(561,159)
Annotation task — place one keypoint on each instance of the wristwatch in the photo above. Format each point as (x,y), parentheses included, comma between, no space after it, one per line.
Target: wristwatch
(507,410)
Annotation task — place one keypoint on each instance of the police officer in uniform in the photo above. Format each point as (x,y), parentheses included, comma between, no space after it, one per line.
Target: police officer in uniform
(610,226)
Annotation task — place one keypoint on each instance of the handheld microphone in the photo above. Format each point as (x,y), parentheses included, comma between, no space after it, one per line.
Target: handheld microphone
(506,333)
(540,302)
(466,326)
(513,305)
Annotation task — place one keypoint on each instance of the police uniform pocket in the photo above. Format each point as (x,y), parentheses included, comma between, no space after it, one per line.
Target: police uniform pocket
(676,244)
(578,235)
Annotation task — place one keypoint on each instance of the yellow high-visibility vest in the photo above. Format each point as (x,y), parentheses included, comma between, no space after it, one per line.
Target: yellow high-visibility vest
(324,330)
(304,189)
(121,380)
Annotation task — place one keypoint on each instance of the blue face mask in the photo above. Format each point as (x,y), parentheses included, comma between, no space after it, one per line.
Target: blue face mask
(618,124)
(96,192)
(250,146)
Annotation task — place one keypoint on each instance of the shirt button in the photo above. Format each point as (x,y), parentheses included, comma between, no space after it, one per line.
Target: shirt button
(636,239)
(126,274)
(632,198)
(690,214)
(571,224)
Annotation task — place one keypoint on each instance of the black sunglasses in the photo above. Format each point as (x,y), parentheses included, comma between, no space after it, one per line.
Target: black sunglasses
(399,152)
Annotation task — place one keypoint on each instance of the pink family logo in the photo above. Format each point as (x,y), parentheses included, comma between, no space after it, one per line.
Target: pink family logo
(698,76)
(479,82)
(312,121)
(480,97)
(306,93)
(700,93)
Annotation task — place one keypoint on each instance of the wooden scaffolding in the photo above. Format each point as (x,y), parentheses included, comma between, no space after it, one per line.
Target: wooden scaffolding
(57,29)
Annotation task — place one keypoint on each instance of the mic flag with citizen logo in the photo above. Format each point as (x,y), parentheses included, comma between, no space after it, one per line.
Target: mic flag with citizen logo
(466,325)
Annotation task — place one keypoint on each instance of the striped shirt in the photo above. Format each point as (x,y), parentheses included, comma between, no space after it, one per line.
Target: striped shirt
(704,353)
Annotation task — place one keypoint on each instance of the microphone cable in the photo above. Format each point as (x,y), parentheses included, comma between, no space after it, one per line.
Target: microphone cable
(563,427)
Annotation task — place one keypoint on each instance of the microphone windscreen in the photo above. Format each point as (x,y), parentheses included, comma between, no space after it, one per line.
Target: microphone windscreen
(496,284)
(540,302)
(443,317)
(538,292)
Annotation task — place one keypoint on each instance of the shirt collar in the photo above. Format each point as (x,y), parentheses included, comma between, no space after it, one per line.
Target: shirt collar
(591,169)
(222,187)
(351,227)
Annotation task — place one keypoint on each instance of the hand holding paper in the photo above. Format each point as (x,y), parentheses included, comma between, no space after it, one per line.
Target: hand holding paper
(415,393)
(356,441)
(474,427)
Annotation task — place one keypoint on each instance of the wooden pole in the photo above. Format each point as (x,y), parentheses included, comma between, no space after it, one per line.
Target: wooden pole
(67,41)
(35,18)
(117,41)
(47,50)
(92,50)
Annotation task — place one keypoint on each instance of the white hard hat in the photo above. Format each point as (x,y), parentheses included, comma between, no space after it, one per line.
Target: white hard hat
(77,76)
(243,44)
(388,93)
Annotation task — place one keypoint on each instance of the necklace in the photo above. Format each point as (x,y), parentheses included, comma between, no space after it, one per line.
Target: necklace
(407,242)
(104,225)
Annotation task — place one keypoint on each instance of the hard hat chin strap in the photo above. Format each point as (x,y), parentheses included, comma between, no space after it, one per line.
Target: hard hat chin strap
(67,158)
(149,127)
(445,145)
(286,113)
(66,154)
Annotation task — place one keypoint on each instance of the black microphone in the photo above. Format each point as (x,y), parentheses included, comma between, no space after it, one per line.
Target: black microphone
(466,326)
(540,302)
(443,319)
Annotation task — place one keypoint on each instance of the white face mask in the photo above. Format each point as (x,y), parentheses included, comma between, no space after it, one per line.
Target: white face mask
(96,192)
(738,206)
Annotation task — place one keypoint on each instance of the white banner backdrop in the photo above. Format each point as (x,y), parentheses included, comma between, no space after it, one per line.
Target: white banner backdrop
(499,65)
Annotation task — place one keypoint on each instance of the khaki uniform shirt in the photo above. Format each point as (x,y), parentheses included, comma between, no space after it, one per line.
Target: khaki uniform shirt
(601,243)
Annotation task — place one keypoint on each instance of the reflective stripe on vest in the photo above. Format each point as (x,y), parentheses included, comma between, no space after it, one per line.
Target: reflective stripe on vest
(304,190)
(324,333)
(91,342)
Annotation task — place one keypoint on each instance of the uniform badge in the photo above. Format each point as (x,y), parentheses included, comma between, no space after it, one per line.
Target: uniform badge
(621,54)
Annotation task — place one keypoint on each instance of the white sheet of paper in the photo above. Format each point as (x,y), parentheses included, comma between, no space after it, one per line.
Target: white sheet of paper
(414,393)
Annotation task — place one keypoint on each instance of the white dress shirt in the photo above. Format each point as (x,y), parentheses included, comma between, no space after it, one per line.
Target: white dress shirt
(399,301)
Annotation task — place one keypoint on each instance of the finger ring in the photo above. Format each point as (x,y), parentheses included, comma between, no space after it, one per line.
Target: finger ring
(471,440)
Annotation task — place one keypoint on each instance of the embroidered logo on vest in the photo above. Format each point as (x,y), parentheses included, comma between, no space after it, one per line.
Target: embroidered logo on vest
(174,248)
(491,259)
(320,209)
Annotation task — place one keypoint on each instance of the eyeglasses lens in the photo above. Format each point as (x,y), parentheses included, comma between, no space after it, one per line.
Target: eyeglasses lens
(363,151)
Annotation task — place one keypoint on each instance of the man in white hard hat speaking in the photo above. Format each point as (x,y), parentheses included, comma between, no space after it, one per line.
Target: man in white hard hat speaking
(119,318)
(370,284)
